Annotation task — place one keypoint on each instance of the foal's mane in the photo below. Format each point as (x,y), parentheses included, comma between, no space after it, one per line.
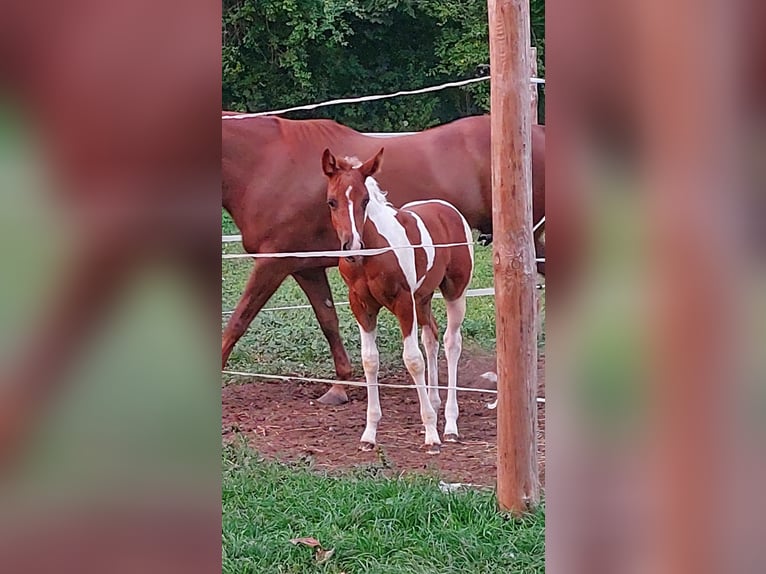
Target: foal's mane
(376,194)
(347,163)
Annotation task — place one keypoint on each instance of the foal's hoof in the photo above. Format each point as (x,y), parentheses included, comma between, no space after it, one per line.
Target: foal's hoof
(365,446)
(432,448)
(333,398)
(451,438)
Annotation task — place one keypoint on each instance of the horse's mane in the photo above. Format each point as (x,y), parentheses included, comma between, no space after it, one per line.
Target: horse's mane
(376,194)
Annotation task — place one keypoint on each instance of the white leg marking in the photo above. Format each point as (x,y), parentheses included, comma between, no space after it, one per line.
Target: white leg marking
(431,345)
(370,363)
(413,359)
(356,241)
(453,346)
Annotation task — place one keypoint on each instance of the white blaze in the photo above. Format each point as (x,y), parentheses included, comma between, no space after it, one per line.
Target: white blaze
(356,240)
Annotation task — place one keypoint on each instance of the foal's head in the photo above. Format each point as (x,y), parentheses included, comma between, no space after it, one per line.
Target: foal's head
(347,195)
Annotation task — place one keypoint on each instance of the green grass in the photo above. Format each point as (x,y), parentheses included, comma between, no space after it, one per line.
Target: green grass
(291,342)
(374,525)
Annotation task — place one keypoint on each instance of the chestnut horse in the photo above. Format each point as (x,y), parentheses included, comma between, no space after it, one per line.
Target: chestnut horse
(270,185)
(403,281)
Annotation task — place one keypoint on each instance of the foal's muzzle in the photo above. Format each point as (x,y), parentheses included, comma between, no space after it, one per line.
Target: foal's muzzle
(349,246)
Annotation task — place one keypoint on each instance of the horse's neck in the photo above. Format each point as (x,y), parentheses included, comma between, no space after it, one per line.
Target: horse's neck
(245,149)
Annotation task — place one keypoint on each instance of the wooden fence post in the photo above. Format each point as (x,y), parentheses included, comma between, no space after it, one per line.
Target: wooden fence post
(533,86)
(518,487)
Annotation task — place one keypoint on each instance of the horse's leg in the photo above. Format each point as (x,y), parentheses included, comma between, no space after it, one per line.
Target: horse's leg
(367,318)
(453,346)
(430,338)
(404,309)
(316,287)
(266,277)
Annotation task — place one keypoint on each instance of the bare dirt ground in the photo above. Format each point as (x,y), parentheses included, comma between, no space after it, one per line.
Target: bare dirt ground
(283,421)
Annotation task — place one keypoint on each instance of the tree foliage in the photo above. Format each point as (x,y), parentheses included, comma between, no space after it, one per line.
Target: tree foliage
(281,53)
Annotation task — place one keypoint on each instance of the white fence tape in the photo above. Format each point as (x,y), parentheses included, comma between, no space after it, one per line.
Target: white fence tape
(339,253)
(389,134)
(238,238)
(354,383)
(335,253)
(369,98)
(488,292)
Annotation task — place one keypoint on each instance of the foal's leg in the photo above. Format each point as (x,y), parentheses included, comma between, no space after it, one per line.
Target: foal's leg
(430,339)
(316,287)
(453,346)
(266,277)
(404,309)
(367,318)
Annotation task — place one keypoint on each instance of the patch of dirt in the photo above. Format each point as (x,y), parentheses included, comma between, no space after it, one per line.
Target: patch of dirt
(283,421)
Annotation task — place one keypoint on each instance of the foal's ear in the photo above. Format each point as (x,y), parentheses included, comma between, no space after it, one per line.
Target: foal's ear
(372,165)
(329,166)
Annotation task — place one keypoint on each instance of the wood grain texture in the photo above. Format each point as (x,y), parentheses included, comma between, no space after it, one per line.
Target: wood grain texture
(533,88)
(518,487)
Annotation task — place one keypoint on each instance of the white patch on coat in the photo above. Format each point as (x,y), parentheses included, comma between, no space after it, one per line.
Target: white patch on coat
(466,227)
(383,217)
(427,242)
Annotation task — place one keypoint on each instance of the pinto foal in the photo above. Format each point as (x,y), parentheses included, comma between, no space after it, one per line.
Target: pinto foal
(403,281)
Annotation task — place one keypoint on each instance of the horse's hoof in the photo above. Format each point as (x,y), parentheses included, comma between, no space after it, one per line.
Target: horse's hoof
(333,399)
(365,446)
(451,438)
(433,448)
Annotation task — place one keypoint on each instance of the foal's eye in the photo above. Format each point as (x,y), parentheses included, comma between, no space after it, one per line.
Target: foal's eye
(332,203)
(365,202)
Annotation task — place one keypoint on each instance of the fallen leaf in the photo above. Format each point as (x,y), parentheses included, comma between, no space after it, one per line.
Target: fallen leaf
(323,556)
(307,541)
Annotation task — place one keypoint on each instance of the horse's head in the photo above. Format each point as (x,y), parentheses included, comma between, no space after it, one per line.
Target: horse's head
(347,195)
